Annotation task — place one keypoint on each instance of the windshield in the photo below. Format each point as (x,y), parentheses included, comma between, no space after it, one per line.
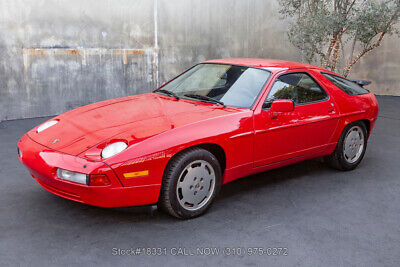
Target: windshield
(236,86)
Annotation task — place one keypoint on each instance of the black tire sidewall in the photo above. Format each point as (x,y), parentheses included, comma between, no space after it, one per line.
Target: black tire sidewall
(340,151)
(178,166)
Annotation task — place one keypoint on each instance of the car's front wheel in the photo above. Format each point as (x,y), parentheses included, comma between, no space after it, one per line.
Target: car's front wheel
(190,184)
(351,147)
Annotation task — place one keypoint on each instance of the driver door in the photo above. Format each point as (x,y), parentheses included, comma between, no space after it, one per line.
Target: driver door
(305,130)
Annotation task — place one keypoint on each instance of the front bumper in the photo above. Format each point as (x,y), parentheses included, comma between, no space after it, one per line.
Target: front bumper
(43,162)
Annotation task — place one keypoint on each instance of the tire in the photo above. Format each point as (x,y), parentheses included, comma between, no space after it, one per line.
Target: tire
(188,177)
(349,145)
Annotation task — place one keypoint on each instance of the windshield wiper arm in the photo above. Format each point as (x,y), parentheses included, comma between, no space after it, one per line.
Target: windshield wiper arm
(205,98)
(168,93)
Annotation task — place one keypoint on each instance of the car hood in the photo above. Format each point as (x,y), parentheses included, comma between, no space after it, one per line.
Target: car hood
(142,116)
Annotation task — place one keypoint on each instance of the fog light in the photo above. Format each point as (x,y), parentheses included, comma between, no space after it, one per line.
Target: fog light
(72,176)
(19,152)
(98,180)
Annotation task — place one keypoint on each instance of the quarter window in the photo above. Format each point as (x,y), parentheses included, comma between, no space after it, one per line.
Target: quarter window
(345,85)
(299,87)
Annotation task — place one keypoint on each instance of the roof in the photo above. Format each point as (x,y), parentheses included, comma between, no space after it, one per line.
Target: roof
(263,63)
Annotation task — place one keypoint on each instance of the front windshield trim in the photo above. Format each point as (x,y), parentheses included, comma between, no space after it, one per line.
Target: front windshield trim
(216,63)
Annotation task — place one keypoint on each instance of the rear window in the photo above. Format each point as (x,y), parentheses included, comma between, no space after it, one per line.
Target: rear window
(345,85)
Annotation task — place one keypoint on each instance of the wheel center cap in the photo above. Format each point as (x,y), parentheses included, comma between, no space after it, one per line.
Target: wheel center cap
(197,185)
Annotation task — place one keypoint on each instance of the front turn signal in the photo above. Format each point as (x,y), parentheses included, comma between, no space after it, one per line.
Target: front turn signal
(98,180)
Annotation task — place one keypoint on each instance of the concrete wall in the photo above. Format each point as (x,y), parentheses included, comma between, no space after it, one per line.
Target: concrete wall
(57,55)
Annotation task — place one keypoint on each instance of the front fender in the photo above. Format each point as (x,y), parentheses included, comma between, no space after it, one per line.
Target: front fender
(144,163)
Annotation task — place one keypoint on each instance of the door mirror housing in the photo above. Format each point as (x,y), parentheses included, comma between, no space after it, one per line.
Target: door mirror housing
(280,106)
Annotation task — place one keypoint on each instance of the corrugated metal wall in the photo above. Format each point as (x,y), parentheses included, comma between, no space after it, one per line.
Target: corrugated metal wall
(58,55)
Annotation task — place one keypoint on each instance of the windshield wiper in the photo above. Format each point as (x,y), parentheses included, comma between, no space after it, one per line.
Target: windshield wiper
(205,98)
(168,93)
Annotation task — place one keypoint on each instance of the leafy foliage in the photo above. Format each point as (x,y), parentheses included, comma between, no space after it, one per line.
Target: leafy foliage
(322,29)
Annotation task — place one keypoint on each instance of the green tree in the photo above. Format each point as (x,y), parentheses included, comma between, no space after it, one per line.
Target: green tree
(339,31)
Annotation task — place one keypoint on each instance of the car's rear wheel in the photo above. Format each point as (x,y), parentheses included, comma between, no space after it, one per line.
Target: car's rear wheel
(351,147)
(190,184)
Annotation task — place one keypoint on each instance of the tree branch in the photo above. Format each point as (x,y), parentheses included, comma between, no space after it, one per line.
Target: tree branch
(353,46)
(329,52)
(369,48)
(336,51)
(363,53)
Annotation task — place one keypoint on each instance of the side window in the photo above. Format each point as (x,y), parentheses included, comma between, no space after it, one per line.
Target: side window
(299,87)
(345,85)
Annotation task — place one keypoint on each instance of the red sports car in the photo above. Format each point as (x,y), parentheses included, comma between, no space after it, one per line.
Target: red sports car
(216,122)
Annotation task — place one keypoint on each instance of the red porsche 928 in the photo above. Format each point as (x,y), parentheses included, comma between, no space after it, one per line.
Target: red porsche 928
(216,122)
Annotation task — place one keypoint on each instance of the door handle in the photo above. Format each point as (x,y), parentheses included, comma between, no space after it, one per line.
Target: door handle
(331,108)
(273,115)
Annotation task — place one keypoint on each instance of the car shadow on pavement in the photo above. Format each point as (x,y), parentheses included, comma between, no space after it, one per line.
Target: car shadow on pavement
(273,177)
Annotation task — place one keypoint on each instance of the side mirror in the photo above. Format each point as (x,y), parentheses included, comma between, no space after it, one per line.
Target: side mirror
(280,106)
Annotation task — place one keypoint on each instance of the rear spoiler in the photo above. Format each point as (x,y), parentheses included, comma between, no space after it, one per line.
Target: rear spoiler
(361,83)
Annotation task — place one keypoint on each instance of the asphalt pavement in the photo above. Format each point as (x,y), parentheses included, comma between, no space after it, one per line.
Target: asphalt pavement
(308,213)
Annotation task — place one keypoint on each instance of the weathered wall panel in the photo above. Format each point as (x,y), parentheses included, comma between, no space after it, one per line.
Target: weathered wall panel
(57,55)
(382,67)
(200,30)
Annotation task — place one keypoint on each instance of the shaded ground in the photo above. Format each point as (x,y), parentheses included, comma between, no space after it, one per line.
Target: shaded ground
(324,217)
